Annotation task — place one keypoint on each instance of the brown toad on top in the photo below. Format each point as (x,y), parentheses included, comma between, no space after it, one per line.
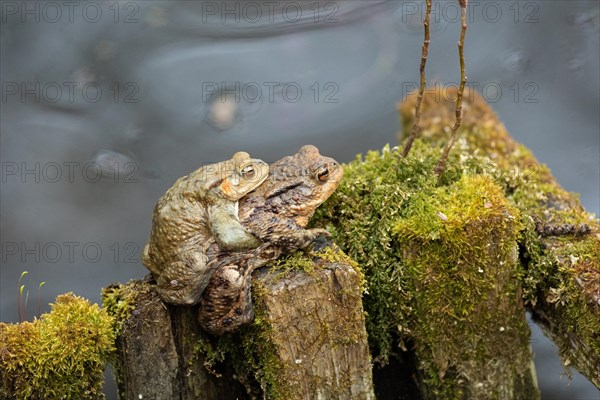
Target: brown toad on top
(197,211)
(276,213)
(279,209)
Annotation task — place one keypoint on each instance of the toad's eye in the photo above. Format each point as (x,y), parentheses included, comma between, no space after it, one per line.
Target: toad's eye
(323,173)
(248,172)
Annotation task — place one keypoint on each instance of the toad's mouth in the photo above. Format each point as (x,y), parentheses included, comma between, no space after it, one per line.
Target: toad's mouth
(283,190)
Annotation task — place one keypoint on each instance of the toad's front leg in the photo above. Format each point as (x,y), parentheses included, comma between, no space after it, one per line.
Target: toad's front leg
(285,233)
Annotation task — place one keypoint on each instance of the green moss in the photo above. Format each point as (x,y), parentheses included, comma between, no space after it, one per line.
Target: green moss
(459,245)
(119,299)
(60,356)
(560,274)
(556,272)
(333,254)
(363,214)
(423,245)
(297,261)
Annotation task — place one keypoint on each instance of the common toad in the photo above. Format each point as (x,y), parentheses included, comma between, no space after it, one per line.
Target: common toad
(276,213)
(194,220)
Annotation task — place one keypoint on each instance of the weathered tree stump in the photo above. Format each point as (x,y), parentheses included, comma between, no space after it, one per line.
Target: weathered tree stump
(560,243)
(317,329)
(308,341)
(156,357)
(471,334)
(442,271)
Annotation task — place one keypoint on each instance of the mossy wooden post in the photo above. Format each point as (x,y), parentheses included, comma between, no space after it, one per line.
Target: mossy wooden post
(471,335)
(441,261)
(155,357)
(314,324)
(308,341)
(560,242)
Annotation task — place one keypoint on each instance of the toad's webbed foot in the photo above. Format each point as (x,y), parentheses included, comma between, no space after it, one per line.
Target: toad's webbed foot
(301,239)
(285,233)
(321,242)
(226,303)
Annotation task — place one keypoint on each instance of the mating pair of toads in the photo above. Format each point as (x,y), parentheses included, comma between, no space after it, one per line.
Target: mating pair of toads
(212,228)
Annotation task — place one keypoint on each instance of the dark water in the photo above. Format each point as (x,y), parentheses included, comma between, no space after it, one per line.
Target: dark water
(128,96)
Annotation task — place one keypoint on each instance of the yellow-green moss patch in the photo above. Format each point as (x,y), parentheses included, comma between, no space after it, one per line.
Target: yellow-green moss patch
(429,249)
(460,246)
(119,299)
(60,356)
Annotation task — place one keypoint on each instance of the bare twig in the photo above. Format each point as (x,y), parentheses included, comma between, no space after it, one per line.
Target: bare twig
(441,166)
(416,128)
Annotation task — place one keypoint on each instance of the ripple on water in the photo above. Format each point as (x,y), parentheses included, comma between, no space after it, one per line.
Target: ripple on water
(587,21)
(230,102)
(111,164)
(515,60)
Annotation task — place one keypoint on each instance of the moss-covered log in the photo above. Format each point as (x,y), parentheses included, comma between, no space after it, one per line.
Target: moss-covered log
(308,339)
(448,263)
(441,267)
(560,242)
(471,336)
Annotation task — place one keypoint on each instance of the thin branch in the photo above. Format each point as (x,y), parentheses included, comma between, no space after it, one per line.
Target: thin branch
(416,128)
(439,169)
